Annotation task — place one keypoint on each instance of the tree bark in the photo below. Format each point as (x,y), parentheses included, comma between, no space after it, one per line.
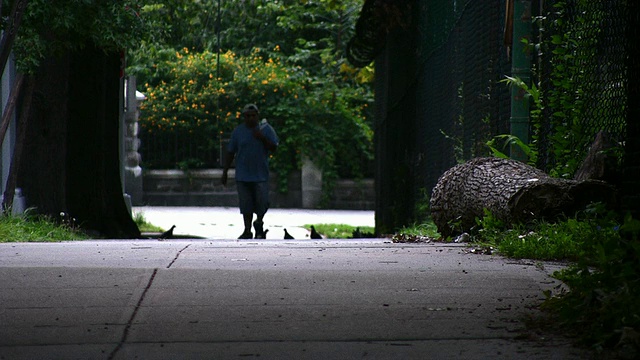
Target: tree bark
(7,114)
(43,179)
(9,35)
(73,144)
(10,187)
(513,192)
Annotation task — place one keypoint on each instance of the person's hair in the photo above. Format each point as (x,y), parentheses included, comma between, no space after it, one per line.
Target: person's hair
(250,107)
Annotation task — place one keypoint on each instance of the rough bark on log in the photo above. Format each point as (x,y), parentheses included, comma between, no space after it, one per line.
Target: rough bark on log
(512,191)
(599,164)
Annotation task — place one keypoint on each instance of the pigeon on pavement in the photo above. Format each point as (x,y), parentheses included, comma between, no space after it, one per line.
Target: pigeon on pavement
(167,234)
(287,235)
(314,233)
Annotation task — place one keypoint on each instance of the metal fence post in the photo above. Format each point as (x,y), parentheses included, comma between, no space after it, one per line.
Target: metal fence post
(520,68)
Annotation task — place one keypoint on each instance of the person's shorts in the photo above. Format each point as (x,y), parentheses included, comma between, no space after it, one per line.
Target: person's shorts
(253,197)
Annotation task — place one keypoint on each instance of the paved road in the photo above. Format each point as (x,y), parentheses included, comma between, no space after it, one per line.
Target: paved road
(273,299)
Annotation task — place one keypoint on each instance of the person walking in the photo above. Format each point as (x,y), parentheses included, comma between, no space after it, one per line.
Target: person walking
(251,144)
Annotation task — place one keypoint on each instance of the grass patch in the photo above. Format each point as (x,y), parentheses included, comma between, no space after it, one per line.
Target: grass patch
(565,240)
(35,228)
(38,228)
(569,239)
(427,229)
(340,231)
(603,276)
(144,225)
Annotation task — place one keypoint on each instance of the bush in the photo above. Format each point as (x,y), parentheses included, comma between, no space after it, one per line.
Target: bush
(603,277)
(187,100)
(325,119)
(604,289)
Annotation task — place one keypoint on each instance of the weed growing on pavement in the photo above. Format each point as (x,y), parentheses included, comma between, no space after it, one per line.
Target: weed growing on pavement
(565,239)
(603,277)
(602,304)
(426,229)
(341,231)
(144,225)
(35,228)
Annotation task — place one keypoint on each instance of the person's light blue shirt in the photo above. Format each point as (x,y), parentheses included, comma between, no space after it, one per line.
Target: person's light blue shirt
(252,158)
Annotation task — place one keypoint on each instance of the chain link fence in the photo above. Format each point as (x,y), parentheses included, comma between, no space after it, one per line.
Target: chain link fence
(462,102)
(581,67)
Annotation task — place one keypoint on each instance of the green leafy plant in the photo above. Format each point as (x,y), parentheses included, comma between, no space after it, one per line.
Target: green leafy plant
(578,101)
(604,288)
(508,141)
(36,228)
(603,277)
(534,98)
(422,206)
(318,103)
(426,229)
(322,121)
(144,225)
(339,231)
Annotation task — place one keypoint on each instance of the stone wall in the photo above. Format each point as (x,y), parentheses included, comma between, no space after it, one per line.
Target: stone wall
(203,188)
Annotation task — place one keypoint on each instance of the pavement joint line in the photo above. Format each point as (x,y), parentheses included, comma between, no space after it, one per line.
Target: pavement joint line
(177,255)
(390,341)
(125,333)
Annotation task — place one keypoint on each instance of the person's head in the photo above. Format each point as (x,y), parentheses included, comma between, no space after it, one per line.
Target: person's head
(251,113)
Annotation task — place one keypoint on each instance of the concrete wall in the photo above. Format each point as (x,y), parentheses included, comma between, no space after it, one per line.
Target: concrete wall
(203,188)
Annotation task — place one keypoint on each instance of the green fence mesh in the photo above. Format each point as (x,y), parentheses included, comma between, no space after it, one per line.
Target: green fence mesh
(582,71)
(462,103)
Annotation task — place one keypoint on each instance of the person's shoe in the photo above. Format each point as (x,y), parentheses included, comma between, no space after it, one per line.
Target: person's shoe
(262,235)
(257,225)
(246,235)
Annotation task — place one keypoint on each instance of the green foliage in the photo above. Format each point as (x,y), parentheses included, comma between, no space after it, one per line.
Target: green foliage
(144,225)
(604,275)
(325,121)
(286,57)
(186,97)
(339,231)
(55,27)
(542,240)
(509,141)
(533,94)
(423,206)
(604,288)
(424,229)
(579,100)
(34,228)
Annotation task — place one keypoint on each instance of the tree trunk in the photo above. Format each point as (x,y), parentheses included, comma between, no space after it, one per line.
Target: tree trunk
(42,178)
(10,188)
(10,106)
(73,162)
(513,192)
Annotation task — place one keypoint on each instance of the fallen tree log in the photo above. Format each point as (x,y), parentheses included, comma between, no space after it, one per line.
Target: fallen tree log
(512,191)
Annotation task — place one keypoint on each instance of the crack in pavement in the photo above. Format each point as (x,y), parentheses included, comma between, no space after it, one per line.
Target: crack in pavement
(125,333)
(177,255)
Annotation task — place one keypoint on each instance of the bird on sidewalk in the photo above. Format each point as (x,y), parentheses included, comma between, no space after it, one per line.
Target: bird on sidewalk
(167,234)
(287,236)
(314,233)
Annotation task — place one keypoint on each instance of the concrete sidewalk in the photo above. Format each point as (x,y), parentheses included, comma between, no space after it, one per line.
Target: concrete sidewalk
(270,299)
(226,223)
